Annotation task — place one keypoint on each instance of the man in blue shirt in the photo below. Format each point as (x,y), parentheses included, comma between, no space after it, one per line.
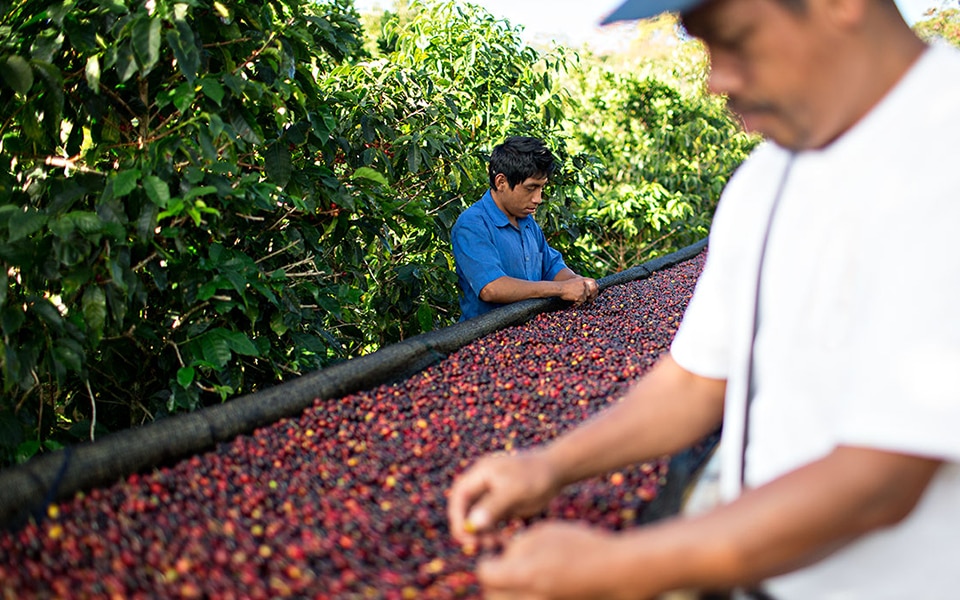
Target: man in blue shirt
(501,253)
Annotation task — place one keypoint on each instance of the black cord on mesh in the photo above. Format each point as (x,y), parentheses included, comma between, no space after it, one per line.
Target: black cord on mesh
(756,321)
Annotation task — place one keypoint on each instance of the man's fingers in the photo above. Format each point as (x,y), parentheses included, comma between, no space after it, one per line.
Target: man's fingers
(508,575)
(590,290)
(475,507)
(593,288)
(464,493)
(497,573)
(486,512)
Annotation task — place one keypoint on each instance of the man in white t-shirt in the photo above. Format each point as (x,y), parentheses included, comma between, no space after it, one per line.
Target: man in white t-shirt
(824,334)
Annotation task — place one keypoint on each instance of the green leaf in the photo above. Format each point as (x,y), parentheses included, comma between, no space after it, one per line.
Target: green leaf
(296,134)
(24,223)
(210,289)
(46,45)
(240,343)
(212,89)
(243,129)
(126,65)
(84,221)
(125,182)
(12,319)
(215,349)
(277,325)
(413,159)
(371,174)
(94,305)
(114,6)
(146,42)
(425,317)
(181,41)
(183,96)
(16,72)
(27,450)
(278,163)
(185,376)
(69,354)
(157,190)
(197,192)
(222,10)
(92,73)
(147,221)
(47,312)
(30,125)
(235,83)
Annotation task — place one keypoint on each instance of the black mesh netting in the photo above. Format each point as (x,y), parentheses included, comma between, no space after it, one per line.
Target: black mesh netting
(333,485)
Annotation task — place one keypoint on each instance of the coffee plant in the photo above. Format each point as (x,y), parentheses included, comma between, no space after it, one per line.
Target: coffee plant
(940,25)
(201,198)
(666,146)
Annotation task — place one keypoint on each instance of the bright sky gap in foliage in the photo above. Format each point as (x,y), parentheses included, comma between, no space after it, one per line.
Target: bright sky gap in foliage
(574,22)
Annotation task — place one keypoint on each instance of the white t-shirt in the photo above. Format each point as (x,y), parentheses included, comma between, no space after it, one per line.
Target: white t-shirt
(859,324)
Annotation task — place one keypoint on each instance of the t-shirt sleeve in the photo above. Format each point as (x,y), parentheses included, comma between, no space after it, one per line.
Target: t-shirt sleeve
(903,388)
(475,252)
(718,319)
(701,344)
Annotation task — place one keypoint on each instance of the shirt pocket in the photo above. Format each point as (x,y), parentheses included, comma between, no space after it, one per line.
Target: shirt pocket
(533,265)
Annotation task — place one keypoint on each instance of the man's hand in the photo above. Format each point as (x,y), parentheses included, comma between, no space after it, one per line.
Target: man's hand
(552,560)
(579,290)
(567,285)
(496,488)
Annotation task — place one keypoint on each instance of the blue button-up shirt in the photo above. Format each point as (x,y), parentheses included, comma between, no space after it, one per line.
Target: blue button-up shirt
(486,247)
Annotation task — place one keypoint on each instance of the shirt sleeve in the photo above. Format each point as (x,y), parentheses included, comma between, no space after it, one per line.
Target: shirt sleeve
(902,390)
(717,324)
(701,344)
(475,253)
(552,259)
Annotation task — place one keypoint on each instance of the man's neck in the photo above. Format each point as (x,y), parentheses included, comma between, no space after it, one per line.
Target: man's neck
(882,61)
(496,200)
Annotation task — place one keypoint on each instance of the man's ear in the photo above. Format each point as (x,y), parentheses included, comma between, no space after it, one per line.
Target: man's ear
(500,182)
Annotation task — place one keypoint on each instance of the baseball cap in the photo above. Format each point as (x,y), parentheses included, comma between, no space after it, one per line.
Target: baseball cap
(632,10)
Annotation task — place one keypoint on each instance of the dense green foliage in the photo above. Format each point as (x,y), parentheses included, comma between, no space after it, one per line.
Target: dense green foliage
(200,198)
(940,25)
(667,147)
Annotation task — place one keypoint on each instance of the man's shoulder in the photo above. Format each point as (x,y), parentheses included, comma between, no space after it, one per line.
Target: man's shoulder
(473,216)
(945,56)
(482,213)
(762,168)
(941,94)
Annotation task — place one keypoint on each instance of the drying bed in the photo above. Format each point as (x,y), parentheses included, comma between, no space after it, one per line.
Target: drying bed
(348,499)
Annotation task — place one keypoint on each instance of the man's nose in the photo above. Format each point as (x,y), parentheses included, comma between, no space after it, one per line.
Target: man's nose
(724,77)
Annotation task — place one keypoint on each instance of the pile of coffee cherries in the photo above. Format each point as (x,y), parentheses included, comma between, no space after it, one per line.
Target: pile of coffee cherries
(349,499)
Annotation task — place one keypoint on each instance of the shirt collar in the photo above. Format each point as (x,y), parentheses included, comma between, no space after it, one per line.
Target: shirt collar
(497,216)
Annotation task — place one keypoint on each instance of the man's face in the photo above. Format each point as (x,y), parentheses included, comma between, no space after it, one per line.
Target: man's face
(522,200)
(773,64)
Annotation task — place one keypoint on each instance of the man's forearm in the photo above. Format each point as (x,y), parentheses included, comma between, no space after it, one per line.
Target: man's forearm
(666,411)
(505,290)
(565,274)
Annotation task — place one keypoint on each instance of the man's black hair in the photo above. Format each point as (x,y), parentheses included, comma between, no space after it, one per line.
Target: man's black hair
(521,157)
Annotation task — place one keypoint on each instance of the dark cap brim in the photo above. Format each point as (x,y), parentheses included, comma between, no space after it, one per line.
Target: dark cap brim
(632,10)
